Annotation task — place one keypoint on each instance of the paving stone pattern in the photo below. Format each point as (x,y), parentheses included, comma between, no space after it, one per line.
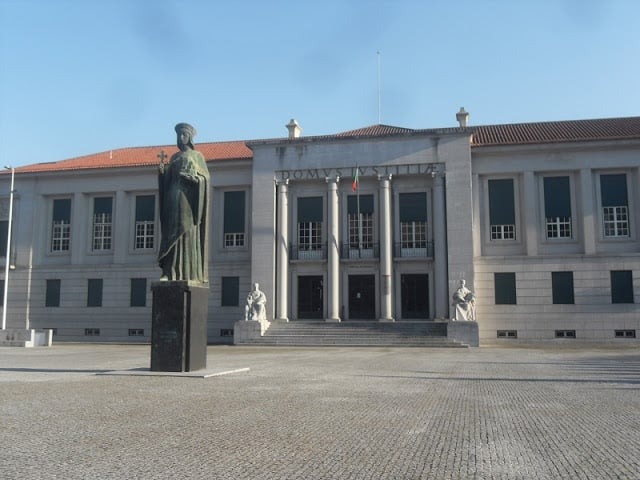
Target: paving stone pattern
(323,413)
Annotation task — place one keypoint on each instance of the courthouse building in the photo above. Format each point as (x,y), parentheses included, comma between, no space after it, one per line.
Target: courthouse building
(376,224)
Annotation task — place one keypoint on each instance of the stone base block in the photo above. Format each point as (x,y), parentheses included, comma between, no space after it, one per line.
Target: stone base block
(17,337)
(179,326)
(463,331)
(244,330)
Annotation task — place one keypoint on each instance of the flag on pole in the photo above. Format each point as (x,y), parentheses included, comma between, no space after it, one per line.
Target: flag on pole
(354,185)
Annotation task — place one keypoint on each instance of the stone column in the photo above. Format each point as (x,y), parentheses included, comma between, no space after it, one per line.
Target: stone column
(333,252)
(121,229)
(530,217)
(441,283)
(589,214)
(386,251)
(282,253)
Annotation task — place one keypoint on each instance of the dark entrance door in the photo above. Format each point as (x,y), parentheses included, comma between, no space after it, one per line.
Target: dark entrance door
(310,297)
(415,295)
(362,297)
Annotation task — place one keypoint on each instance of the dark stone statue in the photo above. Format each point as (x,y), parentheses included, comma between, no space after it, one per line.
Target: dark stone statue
(184,203)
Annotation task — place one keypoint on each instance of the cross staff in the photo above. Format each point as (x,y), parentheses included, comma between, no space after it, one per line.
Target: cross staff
(162,156)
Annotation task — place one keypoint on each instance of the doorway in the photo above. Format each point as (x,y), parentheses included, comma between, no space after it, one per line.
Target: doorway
(414,295)
(362,297)
(310,305)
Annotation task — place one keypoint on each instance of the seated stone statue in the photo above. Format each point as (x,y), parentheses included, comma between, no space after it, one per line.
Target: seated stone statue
(464,303)
(256,308)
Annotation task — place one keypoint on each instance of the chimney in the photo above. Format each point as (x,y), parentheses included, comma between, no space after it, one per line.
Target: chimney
(294,129)
(462,117)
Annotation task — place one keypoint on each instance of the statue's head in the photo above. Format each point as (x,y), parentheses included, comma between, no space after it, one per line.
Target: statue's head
(185,133)
(256,286)
(462,283)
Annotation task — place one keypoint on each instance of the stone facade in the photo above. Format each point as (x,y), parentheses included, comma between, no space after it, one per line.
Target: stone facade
(569,275)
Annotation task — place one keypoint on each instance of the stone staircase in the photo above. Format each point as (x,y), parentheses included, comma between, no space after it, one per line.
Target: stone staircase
(356,333)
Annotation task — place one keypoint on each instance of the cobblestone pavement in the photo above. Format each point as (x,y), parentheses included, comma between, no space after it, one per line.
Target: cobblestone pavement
(323,413)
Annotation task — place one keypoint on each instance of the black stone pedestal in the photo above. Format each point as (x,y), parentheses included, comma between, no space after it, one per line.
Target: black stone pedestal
(179,327)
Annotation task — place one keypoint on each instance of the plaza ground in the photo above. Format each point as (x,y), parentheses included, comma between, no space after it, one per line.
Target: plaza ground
(323,413)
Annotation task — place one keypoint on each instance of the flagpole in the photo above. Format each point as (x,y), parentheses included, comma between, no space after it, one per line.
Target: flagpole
(359,214)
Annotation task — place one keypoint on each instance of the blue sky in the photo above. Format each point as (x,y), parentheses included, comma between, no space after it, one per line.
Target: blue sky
(80,76)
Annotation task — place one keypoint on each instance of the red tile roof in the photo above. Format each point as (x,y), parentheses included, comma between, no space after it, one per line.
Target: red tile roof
(554,132)
(483,135)
(375,131)
(140,156)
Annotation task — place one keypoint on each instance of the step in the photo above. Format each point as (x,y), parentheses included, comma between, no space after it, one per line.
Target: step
(362,333)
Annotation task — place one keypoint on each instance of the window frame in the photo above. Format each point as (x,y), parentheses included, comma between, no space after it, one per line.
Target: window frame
(103,227)
(573,219)
(517,227)
(557,289)
(62,232)
(145,224)
(513,293)
(234,240)
(618,297)
(630,208)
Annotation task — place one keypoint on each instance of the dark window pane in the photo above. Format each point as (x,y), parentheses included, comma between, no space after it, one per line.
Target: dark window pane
(366,204)
(102,205)
(234,212)
(562,287)
(613,189)
(145,208)
(62,210)
(138,292)
(4,231)
(621,286)
(501,202)
(309,209)
(52,295)
(2,292)
(413,207)
(504,284)
(94,292)
(230,291)
(557,198)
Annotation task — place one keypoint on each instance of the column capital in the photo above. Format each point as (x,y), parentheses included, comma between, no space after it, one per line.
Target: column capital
(332,180)
(384,177)
(282,182)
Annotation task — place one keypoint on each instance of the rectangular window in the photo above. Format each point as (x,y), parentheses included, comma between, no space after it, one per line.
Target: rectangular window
(504,285)
(502,211)
(413,224)
(136,332)
(226,332)
(230,292)
(557,207)
(565,334)
(94,292)
(52,294)
(507,333)
(621,286)
(360,219)
(4,236)
(562,287)
(145,227)
(91,332)
(138,296)
(102,223)
(310,227)
(625,333)
(615,207)
(234,219)
(1,292)
(61,225)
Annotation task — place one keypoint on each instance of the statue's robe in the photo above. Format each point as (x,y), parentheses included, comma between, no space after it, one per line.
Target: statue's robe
(184,205)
